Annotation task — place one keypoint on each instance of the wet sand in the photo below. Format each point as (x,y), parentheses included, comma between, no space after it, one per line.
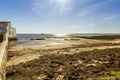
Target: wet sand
(68,60)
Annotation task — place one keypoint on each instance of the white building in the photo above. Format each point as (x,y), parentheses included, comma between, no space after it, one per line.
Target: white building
(6,27)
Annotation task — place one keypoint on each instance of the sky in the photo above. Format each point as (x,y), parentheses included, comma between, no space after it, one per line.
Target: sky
(62,16)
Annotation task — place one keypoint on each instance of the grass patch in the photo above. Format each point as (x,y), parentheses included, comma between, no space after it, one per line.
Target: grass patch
(103,37)
(112,76)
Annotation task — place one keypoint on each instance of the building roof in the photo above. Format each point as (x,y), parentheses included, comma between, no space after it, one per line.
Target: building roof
(5,21)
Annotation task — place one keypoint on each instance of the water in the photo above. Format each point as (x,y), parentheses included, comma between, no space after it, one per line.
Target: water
(36,36)
(33,36)
(23,37)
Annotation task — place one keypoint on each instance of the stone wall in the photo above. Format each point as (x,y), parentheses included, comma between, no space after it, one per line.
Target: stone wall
(3,58)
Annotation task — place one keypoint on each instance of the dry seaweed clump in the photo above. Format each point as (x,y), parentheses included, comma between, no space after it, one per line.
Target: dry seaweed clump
(89,65)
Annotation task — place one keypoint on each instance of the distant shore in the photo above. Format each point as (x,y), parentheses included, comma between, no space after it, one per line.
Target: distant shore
(82,35)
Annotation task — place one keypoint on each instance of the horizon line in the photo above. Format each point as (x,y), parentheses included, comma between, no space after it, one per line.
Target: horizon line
(69,33)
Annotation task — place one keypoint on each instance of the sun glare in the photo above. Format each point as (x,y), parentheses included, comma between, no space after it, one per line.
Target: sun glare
(60,35)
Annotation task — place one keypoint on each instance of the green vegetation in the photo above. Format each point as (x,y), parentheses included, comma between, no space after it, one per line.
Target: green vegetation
(38,39)
(112,76)
(102,37)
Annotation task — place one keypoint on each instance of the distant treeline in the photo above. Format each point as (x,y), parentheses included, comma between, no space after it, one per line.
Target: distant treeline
(102,37)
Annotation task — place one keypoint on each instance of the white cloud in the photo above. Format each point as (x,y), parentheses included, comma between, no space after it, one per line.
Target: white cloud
(112,17)
(75,26)
(64,5)
(92,24)
(61,2)
(51,7)
(82,26)
(92,8)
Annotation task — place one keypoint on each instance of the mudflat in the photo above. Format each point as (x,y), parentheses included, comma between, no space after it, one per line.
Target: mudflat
(69,60)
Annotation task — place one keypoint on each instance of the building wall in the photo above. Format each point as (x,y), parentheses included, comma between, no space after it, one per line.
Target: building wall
(7,23)
(14,32)
(8,32)
(6,27)
(3,28)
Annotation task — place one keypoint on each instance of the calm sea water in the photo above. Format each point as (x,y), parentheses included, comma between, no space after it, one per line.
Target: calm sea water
(23,37)
(35,36)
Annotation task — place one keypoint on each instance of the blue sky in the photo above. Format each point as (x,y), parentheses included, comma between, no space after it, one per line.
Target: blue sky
(62,16)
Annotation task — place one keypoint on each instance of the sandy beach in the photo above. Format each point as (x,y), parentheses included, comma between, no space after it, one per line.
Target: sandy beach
(63,59)
(60,40)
